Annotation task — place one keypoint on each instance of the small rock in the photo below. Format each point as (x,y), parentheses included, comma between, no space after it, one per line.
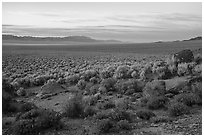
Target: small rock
(56,103)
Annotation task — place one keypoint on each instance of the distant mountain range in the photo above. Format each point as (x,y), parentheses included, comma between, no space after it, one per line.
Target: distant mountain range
(68,39)
(195,38)
(191,39)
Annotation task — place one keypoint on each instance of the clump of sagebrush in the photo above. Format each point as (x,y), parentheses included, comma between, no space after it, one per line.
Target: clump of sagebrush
(124,125)
(188,99)
(129,87)
(21,92)
(72,80)
(108,84)
(104,126)
(177,109)
(197,69)
(154,88)
(89,111)
(146,73)
(122,72)
(161,71)
(109,120)
(74,107)
(161,119)
(197,89)
(145,114)
(106,104)
(7,95)
(36,121)
(198,59)
(114,114)
(185,69)
(107,73)
(81,84)
(89,74)
(157,102)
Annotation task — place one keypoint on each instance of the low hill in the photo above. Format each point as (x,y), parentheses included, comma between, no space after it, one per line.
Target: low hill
(52,40)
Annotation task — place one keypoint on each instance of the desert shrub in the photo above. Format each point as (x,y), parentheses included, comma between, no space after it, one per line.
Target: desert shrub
(122,72)
(197,89)
(35,122)
(106,104)
(90,100)
(154,88)
(177,109)
(107,73)
(94,80)
(114,115)
(185,69)
(22,107)
(124,125)
(72,80)
(74,107)
(157,102)
(7,87)
(21,92)
(81,84)
(104,126)
(94,89)
(135,74)
(198,59)
(41,80)
(161,71)
(129,87)
(61,81)
(7,95)
(173,69)
(122,103)
(143,101)
(145,114)
(108,84)
(197,69)
(161,119)
(146,73)
(188,99)
(89,111)
(89,74)
(6,100)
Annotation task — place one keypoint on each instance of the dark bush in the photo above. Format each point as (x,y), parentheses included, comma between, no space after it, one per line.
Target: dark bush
(124,125)
(161,119)
(108,84)
(35,122)
(197,89)
(104,126)
(198,59)
(157,102)
(74,107)
(177,109)
(145,114)
(72,80)
(129,87)
(81,84)
(114,115)
(154,88)
(188,99)
(7,96)
(89,111)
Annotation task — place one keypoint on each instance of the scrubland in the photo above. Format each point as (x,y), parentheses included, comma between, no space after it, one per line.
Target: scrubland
(77,91)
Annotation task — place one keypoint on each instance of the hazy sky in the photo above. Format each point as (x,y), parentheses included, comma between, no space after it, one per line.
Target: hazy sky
(138,22)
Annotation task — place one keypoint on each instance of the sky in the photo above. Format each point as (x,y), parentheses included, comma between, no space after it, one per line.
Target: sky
(133,22)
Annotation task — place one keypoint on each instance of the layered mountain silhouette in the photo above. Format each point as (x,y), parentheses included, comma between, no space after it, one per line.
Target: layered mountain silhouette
(69,38)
